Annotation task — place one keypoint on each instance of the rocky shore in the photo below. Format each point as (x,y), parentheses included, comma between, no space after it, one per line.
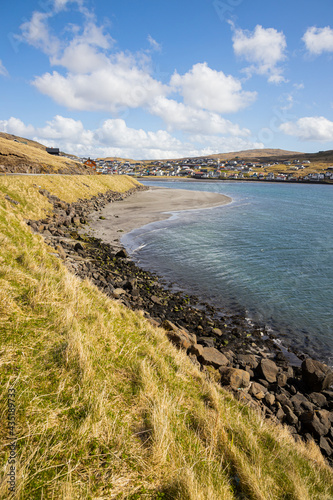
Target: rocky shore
(244,358)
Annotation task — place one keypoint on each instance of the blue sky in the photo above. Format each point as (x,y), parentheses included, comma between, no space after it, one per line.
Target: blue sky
(167,79)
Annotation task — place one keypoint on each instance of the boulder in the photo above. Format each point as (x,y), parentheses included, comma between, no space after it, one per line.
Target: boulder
(316,422)
(269,370)
(318,399)
(316,375)
(257,390)
(213,357)
(217,331)
(179,339)
(247,360)
(325,446)
(234,377)
(121,254)
(269,398)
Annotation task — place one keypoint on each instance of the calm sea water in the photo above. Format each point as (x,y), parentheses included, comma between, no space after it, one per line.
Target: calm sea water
(269,254)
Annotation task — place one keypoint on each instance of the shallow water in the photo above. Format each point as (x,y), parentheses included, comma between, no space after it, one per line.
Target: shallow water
(268,253)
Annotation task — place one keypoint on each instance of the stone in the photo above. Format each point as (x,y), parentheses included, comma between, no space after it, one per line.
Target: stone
(248,360)
(269,370)
(78,247)
(213,357)
(316,375)
(318,399)
(270,398)
(179,339)
(280,415)
(206,341)
(325,447)
(315,422)
(235,378)
(301,403)
(117,293)
(290,415)
(257,390)
(217,331)
(281,379)
(61,252)
(283,400)
(156,300)
(121,254)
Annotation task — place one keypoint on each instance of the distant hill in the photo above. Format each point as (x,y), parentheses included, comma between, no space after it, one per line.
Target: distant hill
(21,155)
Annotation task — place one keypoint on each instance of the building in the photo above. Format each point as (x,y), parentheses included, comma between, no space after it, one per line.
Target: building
(53,151)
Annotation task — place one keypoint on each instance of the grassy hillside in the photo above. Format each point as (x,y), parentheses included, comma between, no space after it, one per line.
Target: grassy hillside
(106,407)
(32,158)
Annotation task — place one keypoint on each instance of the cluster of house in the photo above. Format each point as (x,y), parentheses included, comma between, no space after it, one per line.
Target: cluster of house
(209,168)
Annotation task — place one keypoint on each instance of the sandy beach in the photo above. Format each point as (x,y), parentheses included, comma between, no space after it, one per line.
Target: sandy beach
(148,206)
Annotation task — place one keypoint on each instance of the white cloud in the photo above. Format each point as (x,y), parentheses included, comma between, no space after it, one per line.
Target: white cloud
(117,84)
(3,70)
(36,33)
(318,40)
(115,138)
(153,44)
(178,116)
(310,128)
(264,49)
(203,87)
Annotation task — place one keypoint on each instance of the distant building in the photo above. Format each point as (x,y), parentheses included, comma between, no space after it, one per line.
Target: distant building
(90,163)
(53,151)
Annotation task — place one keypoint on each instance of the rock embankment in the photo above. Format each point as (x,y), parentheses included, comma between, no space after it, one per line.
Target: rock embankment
(242,357)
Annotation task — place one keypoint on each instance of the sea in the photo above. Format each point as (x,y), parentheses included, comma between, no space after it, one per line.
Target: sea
(268,255)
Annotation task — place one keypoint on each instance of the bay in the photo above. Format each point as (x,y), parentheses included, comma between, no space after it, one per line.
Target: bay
(268,254)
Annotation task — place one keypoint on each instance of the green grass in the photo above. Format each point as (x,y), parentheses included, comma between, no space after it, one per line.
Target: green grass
(106,407)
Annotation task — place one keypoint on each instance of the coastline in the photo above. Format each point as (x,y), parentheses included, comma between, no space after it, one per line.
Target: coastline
(244,358)
(144,207)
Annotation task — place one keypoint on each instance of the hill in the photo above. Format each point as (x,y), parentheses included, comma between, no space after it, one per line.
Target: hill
(105,406)
(19,155)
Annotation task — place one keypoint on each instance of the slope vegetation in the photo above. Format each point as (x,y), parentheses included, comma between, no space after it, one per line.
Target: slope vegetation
(106,407)
(23,156)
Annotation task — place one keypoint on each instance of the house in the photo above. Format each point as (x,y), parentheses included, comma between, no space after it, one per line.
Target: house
(53,151)
(90,163)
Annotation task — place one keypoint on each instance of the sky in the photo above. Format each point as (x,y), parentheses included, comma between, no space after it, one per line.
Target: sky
(158,79)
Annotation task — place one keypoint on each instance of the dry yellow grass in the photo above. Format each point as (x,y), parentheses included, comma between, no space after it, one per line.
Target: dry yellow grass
(25,158)
(106,407)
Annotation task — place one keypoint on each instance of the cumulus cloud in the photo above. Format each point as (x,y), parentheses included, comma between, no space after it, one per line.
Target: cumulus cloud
(264,49)
(318,40)
(3,70)
(310,128)
(178,116)
(17,127)
(115,138)
(117,84)
(203,87)
(36,33)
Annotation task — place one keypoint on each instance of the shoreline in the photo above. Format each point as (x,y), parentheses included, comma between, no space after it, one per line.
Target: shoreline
(144,207)
(243,358)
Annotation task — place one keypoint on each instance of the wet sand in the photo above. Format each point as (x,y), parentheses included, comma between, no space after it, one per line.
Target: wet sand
(148,206)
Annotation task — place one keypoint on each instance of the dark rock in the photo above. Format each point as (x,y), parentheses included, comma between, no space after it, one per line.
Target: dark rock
(213,357)
(325,446)
(78,247)
(291,418)
(269,370)
(281,379)
(257,390)
(121,254)
(206,341)
(317,376)
(247,360)
(318,399)
(217,331)
(269,398)
(233,377)
(156,300)
(315,422)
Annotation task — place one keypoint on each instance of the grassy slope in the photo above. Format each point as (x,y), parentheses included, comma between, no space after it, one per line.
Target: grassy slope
(106,406)
(20,157)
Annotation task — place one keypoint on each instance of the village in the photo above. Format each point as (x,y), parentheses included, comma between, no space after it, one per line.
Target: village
(208,168)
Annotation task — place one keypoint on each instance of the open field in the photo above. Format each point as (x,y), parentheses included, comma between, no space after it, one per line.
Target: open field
(105,406)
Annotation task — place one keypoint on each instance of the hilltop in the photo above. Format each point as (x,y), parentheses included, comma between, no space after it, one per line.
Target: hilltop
(20,155)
